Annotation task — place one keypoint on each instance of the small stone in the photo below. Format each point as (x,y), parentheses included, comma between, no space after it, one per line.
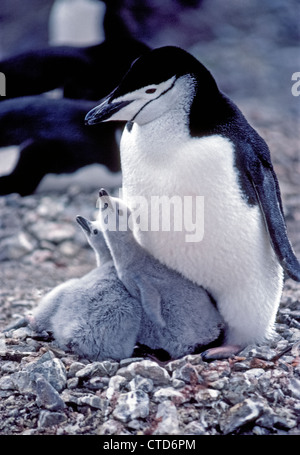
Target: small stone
(74,367)
(168,393)
(24,382)
(9,367)
(70,397)
(52,231)
(284,422)
(254,373)
(132,405)
(241,414)
(194,428)
(294,388)
(210,375)
(176,364)
(47,396)
(219,384)
(14,248)
(240,366)
(262,352)
(115,385)
(105,368)
(177,383)
(48,419)
(295,351)
(7,383)
(147,369)
(187,373)
(53,371)
(95,383)
(68,248)
(39,256)
(167,419)
(207,395)
(135,424)
(259,431)
(93,401)
(140,383)
(22,333)
(117,382)
(126,362)
(111,426)
(2,344)
(72,383)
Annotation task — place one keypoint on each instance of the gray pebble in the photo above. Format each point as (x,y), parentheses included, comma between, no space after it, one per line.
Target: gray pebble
(167,418)
(132,405)
(140,383)
(168,393)
(147,369)
(241,414)
(48,419)
(46,395)
(53,371)
(6,383)
(105,368)
(294,388)
(74,368)
(93,401)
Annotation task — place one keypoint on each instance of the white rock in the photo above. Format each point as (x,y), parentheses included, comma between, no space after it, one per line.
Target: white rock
(168,419)
(168,393)
(132,405)
(207,395)
(241,414)
(147,369)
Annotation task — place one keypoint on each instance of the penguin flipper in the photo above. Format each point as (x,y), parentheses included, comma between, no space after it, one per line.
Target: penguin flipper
(267,191)
(150,300)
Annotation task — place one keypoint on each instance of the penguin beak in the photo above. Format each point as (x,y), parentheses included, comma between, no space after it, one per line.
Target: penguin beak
(105,111)
(84,224)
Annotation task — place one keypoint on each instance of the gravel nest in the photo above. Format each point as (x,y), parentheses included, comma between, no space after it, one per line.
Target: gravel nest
(45,390)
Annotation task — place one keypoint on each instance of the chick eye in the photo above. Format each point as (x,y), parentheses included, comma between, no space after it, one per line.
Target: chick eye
(104,207)
(95,231)
(151,90)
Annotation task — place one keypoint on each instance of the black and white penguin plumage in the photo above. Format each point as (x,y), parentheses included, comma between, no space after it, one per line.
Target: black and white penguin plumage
(51,132)
(185,137)
(86,72)
(53,139)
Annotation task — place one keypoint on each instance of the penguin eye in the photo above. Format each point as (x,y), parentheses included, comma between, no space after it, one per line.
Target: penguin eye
(95,231)
(151,90)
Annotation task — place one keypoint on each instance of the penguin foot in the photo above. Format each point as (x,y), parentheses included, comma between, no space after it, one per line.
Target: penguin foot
(221,352)
(38,334)
(22,322)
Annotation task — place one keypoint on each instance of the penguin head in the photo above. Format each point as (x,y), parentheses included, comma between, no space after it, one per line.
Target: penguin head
(93,233)
(114,213)
(157,81)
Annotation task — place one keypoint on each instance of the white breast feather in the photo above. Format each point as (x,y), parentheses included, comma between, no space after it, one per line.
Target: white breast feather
(234,261)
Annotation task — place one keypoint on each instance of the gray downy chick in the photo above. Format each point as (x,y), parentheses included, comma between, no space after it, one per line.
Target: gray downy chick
(93,316)
(178,315)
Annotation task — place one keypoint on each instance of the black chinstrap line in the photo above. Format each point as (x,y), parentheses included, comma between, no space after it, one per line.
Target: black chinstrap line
(150,101)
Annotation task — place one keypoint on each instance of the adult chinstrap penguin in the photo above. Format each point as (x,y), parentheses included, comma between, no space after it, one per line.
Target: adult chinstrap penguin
(184,136)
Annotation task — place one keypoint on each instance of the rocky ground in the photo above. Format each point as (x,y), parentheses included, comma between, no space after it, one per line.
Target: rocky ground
(46,391)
